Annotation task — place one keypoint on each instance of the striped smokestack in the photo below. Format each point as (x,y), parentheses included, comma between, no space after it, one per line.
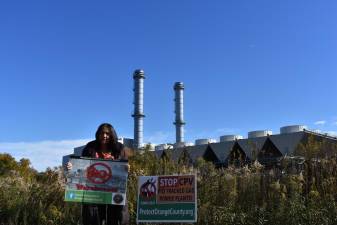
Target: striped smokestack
(179,111)
(138,115)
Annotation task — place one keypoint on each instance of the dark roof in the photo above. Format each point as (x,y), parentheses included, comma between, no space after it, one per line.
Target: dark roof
(251,144)
(222,149)
(176,153)
(196,151)
(193,152)
(287,143)
(158,154)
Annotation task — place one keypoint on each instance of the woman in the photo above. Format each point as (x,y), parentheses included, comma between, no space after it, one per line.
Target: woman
(106,146)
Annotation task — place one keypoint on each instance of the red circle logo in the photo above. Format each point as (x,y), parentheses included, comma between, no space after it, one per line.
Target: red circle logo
(148,189)
(98,173)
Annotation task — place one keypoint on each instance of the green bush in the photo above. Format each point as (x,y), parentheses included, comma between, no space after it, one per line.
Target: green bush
(248,195)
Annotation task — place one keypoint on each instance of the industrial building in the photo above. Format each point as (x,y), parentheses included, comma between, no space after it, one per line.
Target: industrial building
(263,146)
(260,145)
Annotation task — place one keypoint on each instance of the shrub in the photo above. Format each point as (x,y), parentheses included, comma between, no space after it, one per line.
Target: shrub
(248,195)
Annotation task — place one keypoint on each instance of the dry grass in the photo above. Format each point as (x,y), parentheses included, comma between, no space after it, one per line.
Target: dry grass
(248,195)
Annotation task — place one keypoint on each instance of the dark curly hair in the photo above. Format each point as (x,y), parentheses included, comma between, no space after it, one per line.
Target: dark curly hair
(112,133)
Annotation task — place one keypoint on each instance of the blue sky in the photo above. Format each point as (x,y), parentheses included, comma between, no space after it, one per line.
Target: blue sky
(66,66)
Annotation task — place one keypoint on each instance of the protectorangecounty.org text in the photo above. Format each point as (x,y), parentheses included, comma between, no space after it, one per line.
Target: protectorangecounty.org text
(166,212)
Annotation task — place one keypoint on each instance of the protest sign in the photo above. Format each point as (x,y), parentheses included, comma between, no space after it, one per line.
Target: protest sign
(96,181)
(167,199)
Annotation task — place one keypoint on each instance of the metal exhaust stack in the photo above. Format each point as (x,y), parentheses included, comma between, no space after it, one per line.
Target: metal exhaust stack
(179,111)
(138,114)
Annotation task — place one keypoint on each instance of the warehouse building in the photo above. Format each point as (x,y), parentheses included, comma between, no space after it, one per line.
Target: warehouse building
(263,146)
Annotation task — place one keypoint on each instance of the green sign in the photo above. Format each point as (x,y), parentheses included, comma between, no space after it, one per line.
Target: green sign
(167,199)
(96,181)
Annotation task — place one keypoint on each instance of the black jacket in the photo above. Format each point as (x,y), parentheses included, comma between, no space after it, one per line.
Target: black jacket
(92,148)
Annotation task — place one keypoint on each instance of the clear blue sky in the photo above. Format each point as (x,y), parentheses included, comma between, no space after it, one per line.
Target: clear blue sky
(66,66)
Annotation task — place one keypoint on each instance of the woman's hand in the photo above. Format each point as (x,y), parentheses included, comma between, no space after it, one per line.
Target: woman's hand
(69,166)
(129,167)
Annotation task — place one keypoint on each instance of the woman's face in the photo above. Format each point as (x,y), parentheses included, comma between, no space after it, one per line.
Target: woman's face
(104,136)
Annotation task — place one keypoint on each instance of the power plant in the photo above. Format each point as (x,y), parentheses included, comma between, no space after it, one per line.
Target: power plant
(263,145)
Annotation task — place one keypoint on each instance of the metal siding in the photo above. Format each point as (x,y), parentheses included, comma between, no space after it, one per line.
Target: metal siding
(247,145)
(196,151)
(222,149)
(287,143)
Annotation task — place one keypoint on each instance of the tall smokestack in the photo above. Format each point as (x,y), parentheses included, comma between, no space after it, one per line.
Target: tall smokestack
(179,111)
(138,115)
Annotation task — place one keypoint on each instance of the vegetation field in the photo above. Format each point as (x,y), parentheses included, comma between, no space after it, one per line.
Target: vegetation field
(247,195)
